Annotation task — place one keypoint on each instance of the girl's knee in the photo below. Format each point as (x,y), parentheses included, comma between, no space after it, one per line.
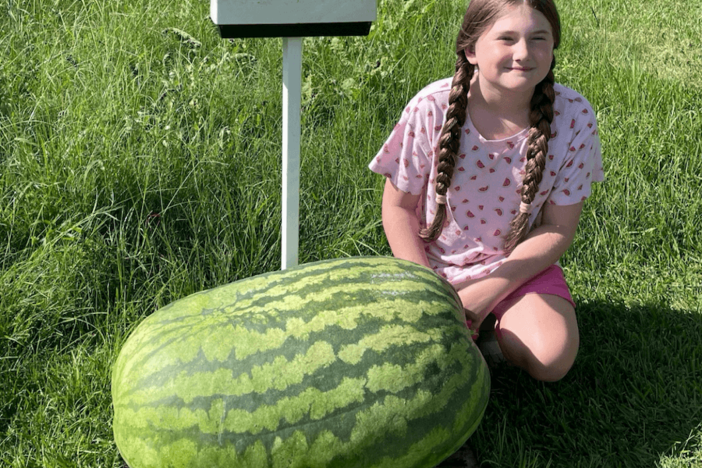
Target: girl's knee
(551,372)
(548,360)
(552,365)
(540,334)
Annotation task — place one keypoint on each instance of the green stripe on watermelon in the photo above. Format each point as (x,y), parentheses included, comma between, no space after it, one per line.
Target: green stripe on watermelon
(388,377)
(393,378)
(246,299)
(278,373)
(470,418)
(217,348)
(378,416)
(250,341)
(347,452)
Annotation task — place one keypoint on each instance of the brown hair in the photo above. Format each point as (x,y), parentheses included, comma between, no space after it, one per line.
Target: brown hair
(479,17)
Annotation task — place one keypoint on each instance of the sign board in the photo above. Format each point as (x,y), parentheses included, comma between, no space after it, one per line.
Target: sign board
(292,20)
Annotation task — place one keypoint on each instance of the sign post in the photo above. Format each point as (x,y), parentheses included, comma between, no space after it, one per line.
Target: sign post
(292,96)
(292,20)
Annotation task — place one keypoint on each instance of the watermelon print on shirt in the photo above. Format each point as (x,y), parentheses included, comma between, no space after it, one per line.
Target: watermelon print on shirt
(485,190)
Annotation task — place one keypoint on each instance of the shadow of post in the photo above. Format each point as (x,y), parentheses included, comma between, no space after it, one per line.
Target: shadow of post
(633,394)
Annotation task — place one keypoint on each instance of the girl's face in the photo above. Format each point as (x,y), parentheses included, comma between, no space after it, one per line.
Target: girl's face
(515,53)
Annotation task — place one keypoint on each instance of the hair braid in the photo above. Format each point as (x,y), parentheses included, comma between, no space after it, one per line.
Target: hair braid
(449,142)
(540,117)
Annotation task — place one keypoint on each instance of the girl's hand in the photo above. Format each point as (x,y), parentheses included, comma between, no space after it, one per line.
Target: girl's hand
(479,297)
(476,302)
(473,322)
(475,311)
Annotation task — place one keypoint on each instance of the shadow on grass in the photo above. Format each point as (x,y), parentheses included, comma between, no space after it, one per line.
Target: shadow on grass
(633,396)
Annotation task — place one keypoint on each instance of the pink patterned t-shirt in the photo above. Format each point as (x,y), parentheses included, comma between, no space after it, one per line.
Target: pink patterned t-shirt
(485,190)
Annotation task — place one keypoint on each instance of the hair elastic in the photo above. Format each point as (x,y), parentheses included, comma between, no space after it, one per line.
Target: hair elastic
(525,207)
(440,199)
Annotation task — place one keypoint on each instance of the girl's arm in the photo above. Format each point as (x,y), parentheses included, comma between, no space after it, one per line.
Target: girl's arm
(540,249)
(401,224)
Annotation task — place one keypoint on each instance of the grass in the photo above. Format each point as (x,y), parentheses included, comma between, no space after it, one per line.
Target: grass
(139,164)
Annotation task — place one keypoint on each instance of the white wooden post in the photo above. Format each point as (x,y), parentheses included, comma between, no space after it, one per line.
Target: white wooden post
(292,20)
(292,100)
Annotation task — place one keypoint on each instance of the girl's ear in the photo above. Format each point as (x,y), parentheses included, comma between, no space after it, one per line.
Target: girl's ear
(470,56)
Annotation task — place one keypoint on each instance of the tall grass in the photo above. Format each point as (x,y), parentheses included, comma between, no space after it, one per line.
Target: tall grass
(140,162)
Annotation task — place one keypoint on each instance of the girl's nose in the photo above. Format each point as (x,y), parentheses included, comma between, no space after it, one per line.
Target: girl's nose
(521,49)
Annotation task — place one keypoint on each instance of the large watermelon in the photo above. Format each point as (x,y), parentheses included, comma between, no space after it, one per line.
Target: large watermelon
(358,362)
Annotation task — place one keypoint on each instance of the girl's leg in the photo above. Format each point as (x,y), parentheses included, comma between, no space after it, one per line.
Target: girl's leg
(539,333)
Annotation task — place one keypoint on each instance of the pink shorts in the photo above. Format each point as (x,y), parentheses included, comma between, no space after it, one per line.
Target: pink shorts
(549,281)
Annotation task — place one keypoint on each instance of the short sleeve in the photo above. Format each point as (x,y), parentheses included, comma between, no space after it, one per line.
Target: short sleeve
(406,156)
(582,164)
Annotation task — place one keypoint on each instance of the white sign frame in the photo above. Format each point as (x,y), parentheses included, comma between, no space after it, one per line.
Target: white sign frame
(292,20)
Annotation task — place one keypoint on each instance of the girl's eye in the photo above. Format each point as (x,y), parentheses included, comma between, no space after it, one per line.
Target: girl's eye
(509,38)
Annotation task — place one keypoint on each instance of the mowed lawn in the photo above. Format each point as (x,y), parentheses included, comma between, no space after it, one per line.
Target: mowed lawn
(140,162)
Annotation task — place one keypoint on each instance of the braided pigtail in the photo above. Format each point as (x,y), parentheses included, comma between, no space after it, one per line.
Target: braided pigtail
(449,142)
(540,117)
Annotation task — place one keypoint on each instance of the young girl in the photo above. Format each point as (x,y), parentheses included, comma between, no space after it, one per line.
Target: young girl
(486,178)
